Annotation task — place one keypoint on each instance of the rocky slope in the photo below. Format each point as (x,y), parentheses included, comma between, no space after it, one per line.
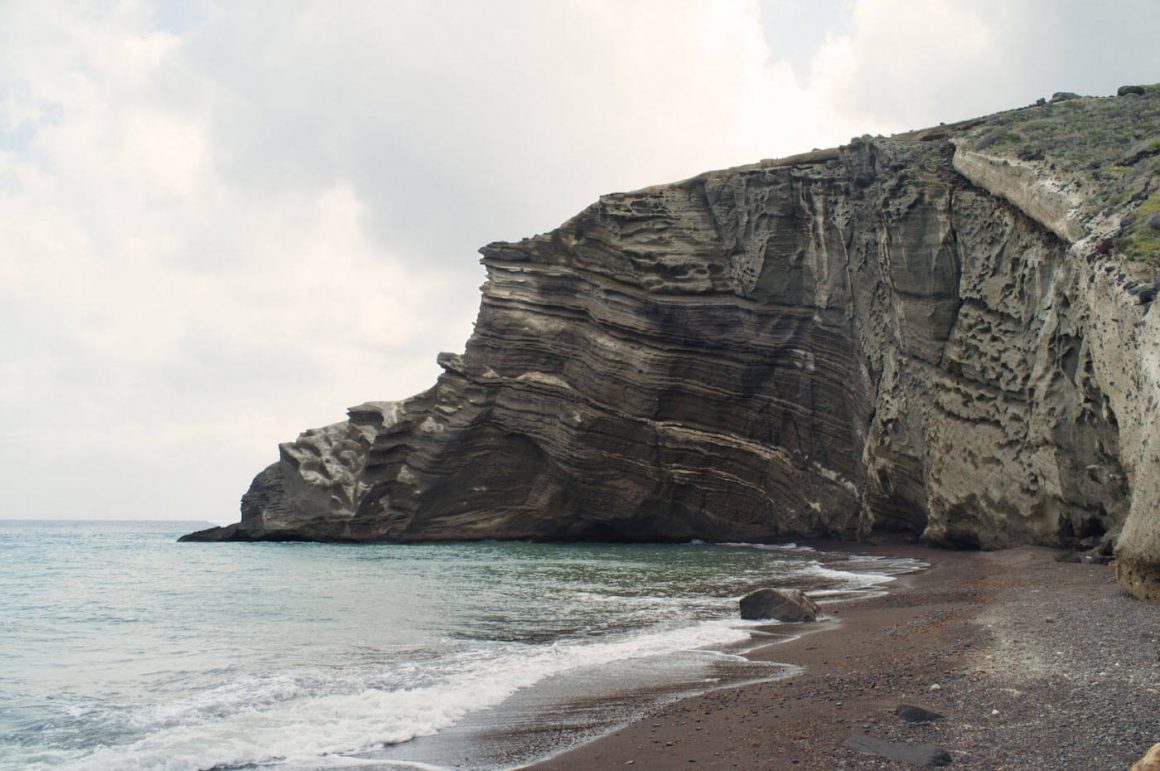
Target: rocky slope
(946,332)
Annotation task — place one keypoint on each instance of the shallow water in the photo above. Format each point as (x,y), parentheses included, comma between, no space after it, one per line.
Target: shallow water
(125,650)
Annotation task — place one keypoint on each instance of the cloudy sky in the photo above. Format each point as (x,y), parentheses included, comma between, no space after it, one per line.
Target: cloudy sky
(222,223)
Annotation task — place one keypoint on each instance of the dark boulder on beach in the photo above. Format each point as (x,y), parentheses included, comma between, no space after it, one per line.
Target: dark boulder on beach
(913,714)
(789,605)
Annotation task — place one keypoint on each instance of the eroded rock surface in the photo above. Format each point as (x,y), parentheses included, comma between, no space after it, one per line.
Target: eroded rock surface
(900,334)
(790,605)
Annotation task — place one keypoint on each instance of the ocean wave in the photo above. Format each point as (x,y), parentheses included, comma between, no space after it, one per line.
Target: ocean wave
(300,718)
(330,652)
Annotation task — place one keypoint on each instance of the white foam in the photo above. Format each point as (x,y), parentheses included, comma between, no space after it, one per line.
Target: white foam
(293,721)
(311,716)
(771,546)
(846,578)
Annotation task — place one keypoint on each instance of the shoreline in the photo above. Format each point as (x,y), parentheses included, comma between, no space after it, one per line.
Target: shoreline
(1039,664)
(585,704)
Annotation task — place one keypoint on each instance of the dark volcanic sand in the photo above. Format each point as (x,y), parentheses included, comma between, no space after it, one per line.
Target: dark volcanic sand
(1041,665)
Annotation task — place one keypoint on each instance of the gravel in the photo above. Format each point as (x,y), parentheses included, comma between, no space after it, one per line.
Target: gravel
(1063,673)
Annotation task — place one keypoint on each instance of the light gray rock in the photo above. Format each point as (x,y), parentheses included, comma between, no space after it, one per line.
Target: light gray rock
(789,605)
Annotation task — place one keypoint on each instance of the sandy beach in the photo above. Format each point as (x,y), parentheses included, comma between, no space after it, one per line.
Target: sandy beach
(1033,664)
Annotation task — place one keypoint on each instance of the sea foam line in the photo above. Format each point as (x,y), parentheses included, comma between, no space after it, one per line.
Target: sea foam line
(313,730)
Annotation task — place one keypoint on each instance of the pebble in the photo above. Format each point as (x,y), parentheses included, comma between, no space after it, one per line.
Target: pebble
(935,688)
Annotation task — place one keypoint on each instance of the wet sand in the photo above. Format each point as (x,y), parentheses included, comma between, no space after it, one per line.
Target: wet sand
(1038,664)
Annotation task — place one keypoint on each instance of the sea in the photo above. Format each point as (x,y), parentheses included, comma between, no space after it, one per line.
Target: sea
(121,649)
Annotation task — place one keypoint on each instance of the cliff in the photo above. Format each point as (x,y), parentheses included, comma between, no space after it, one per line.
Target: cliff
(947,332)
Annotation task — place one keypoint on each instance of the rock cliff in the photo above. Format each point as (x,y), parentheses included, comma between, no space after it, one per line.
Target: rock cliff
(946,332)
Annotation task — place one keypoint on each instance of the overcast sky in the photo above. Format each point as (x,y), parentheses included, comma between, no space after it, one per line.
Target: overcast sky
(224,223)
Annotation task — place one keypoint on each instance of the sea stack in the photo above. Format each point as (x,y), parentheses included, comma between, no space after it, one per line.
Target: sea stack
(947,332)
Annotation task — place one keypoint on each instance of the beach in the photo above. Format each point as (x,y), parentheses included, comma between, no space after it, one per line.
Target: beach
(1032,662)
(124,649)
(126,654)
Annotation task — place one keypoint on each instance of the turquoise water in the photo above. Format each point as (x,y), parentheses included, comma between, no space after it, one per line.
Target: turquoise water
(122,649)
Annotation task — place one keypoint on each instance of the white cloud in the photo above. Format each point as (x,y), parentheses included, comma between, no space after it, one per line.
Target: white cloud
(894,47)
(221,224)
(903,64)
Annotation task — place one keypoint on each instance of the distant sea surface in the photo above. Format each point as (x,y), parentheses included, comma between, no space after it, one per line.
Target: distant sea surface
(121,649)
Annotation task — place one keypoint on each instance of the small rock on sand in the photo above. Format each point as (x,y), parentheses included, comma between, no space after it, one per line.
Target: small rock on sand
(913,714)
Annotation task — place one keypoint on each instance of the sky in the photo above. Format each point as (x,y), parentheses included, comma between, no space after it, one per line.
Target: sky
(222,223)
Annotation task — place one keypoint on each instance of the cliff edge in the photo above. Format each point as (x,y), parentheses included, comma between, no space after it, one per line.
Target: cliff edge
(947,332)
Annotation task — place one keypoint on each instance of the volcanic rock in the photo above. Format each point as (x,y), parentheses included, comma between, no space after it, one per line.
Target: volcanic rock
(901,334)
(789,605)
(913,714)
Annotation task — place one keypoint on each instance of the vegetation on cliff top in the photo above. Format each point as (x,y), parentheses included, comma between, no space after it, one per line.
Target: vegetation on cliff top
(1105,149)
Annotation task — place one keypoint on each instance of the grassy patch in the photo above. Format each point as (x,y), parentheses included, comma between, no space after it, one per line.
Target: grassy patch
(1138,241)
(1106,147)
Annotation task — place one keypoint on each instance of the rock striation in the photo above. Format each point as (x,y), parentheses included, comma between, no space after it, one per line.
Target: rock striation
(921,333)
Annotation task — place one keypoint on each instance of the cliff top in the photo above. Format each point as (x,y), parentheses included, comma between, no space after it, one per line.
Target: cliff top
(1104,150)
(1083,166)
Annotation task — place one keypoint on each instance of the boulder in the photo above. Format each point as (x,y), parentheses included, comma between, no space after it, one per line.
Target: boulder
(780,604)
(1063,96)
(1125,90)
(913,714)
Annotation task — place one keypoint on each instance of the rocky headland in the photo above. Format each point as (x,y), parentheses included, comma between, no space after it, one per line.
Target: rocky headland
(947,333)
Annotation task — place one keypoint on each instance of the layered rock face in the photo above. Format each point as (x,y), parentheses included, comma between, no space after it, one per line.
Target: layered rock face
(878,337)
